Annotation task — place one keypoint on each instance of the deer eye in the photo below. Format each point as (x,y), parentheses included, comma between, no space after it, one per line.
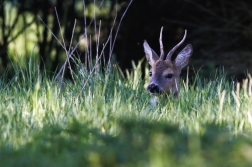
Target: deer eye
(169,76)
(150,73)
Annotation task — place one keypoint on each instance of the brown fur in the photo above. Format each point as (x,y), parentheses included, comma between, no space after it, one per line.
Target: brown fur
(162,68)
(165,73)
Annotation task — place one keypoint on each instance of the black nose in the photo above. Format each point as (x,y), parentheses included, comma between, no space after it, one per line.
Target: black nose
(152,88)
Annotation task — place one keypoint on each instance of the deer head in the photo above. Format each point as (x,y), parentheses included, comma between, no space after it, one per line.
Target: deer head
(164,75)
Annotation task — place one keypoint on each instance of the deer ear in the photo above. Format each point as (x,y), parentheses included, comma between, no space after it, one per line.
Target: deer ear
(183,57)
(150,54)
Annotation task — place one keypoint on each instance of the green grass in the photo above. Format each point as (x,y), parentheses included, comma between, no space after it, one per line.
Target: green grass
(113,122)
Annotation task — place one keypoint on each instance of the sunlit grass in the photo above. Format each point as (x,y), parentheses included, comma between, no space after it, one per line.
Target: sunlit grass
(113,121)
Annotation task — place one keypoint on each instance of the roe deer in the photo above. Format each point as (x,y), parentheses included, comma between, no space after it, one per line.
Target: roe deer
(164,75)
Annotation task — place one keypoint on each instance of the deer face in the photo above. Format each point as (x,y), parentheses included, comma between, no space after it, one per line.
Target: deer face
(164,75)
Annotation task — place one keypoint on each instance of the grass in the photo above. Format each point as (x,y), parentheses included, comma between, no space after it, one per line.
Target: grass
(104,117)
(114,122)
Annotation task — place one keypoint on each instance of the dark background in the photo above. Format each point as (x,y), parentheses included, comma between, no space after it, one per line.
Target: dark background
(220,31)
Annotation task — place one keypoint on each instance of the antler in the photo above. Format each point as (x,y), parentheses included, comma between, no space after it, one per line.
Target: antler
(175,47)
(161,45)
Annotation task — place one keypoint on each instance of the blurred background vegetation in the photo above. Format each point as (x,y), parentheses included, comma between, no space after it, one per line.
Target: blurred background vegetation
(220,31)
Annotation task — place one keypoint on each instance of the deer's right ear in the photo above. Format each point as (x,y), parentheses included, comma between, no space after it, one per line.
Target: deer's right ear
(150,54)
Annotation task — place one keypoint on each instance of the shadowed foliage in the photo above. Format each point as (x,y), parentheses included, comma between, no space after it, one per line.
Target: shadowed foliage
(218,31)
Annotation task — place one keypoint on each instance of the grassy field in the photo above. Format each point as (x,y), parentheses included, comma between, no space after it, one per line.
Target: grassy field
(113,121)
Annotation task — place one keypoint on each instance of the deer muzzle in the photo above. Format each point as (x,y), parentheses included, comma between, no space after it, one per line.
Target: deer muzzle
(153,88)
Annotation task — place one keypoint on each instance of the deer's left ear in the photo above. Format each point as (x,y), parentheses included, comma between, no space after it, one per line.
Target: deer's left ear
(183,57)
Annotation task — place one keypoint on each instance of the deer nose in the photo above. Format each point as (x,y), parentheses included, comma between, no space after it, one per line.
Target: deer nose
(153,88)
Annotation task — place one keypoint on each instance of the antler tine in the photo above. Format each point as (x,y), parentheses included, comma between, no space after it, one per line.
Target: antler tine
(161,45)
(175,47)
